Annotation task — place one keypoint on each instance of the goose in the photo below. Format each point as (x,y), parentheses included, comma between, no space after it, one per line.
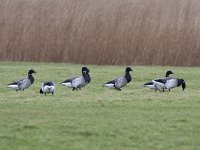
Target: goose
(78,82)
(23,83)
(47,87)
(119,82)
(169,83)
(151,85)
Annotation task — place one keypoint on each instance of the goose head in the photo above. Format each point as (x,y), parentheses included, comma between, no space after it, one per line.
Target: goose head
(168,73)
(31,71)
(183,84)
(128,69)
(85,70)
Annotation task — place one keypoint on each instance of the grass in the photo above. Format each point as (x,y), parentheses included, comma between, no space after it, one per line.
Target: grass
(98,118)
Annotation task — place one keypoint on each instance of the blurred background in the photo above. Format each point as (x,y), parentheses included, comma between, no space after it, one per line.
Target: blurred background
(113,32)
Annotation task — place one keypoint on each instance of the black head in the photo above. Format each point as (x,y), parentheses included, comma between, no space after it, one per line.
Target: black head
(31,71)
(168,73)
(183,84)
(128,69)
(85,70)
(41,92)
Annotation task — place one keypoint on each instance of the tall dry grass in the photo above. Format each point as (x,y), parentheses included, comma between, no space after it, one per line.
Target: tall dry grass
(142,32)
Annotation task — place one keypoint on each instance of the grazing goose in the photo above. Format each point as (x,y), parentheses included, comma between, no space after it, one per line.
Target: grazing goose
(119,82)
(169,83)
(78,82)
(47,87)
(23,83)
(151,85)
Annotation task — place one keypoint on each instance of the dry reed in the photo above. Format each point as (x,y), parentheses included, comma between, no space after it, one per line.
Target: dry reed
(117,32)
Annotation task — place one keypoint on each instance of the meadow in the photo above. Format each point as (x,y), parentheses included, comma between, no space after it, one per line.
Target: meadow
(95,117)
(112,32)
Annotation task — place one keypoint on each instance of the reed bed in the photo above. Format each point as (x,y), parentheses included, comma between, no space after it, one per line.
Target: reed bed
(115,32)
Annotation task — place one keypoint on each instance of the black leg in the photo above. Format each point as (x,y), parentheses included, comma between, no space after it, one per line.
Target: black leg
(73,88)
(118,89)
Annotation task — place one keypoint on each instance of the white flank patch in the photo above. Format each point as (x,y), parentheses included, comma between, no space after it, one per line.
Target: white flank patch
(68,84)
(15,87)
(109,85)
(158,85)
(150,86)
(48,89)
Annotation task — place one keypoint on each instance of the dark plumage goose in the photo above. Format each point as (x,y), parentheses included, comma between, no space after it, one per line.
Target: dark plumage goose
(78,82)
(119,82)
(23,83)
(151,85)
(169,83)
(47,87)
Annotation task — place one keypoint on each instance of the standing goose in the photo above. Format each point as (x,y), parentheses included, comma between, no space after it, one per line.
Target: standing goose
(169,83)
(47,87)
(119,82)
(23,83)
(151,85)
(78,82)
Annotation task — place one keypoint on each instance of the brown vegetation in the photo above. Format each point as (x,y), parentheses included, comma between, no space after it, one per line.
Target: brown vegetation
(142,32)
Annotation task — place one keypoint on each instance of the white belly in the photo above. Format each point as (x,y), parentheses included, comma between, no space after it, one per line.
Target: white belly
(48,89)
(15,87)
(68,84)
(109,86)
(151,87)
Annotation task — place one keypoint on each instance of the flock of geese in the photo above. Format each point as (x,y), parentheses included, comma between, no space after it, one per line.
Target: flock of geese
(78,82)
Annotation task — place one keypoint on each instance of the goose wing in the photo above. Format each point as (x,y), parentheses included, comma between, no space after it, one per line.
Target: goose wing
(150,85)
(24,83)
(78,82)
(17,82)
(71,79)
(118,82)
(47,83)
(48,87)
(68,82)
(162,80)
(171,83)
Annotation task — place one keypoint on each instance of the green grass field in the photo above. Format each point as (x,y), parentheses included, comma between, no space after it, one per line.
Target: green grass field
(97,118)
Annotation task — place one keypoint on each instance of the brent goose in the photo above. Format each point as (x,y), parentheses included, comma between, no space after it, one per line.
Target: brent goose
(47,87)
(23,83)
(119,82)
(78,82)
(169,83)
(151,85)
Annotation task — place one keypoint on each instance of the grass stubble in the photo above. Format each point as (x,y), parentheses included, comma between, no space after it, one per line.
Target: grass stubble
(95,117)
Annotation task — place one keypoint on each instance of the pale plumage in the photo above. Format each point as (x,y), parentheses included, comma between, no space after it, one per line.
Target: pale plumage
(23,83)
(152,86)
(78,82)
(47,87)
(119,82)
(169,83)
